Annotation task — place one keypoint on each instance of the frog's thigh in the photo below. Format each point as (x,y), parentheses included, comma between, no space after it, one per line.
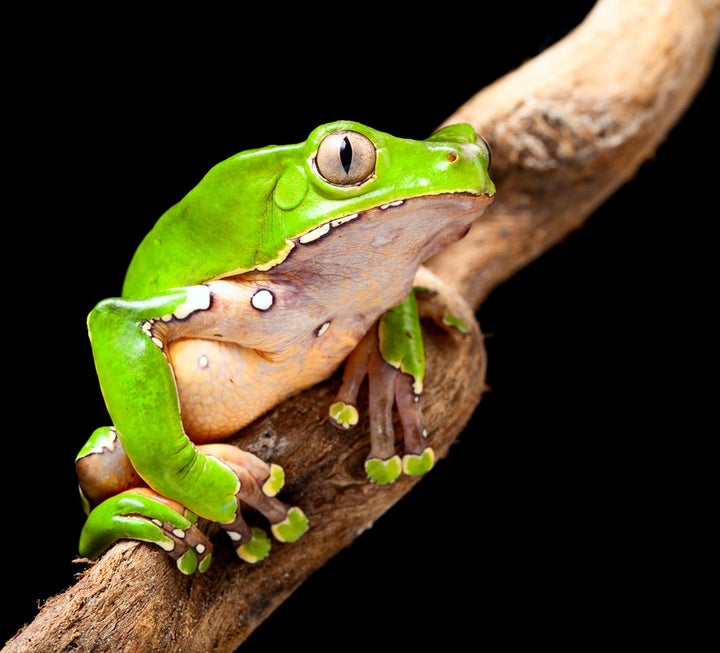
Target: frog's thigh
(221,386)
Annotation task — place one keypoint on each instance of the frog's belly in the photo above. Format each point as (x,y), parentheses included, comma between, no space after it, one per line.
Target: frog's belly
(223,386)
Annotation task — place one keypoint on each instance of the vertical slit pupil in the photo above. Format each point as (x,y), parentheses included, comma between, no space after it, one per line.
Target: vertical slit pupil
(346,154)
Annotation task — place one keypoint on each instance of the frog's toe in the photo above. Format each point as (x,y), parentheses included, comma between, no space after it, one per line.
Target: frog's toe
(275,481)
(438,307)
(382,471)
(343,414)
(292,528)
(452,322)
(192,551)
(256,548)
(186,545)
(191,561)
(419,464)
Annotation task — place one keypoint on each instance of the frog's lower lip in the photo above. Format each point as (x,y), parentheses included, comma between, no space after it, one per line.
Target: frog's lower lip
(463,203)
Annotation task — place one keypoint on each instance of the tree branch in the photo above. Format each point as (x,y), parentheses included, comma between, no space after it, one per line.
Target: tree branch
(575,123)
(567,129)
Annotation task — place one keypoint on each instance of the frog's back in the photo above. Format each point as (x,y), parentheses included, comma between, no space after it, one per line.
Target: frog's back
(176,253)
(222,226)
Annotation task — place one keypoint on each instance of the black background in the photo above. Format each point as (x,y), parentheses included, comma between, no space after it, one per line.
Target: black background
(573,458)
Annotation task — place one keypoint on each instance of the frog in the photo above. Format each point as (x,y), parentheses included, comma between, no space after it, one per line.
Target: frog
(282,265)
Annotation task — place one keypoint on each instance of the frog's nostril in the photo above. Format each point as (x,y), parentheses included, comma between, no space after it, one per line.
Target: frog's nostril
(451,157)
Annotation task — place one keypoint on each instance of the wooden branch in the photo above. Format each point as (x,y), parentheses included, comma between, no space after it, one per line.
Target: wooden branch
(572,125)
(567,129)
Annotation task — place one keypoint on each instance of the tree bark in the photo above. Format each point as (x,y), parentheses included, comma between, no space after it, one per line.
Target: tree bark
(567,129)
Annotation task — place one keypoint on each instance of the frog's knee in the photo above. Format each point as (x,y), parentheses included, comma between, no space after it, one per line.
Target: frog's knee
(103,468)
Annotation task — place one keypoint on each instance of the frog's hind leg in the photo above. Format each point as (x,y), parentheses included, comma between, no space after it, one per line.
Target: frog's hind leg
(120,506)
(259,483)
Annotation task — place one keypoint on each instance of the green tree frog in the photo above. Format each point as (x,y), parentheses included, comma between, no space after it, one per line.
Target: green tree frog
(281,264)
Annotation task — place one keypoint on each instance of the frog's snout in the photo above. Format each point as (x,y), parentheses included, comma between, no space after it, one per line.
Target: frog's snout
(471,159)
(471,150)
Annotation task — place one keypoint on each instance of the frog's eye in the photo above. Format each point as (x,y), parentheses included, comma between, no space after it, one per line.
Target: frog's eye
(346,158)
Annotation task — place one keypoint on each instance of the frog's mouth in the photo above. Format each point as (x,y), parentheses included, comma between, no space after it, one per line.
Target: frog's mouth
(454,209)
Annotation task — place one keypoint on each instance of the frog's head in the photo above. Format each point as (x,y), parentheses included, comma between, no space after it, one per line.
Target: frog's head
(346,170)
(251,210)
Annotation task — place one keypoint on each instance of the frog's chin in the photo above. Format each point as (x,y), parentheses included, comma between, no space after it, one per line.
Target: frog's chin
(451,234)
(445,218)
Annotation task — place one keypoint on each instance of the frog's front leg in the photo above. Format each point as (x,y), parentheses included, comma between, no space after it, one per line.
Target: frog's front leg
(392,357)
(130,340)
(121,506)
(139,389)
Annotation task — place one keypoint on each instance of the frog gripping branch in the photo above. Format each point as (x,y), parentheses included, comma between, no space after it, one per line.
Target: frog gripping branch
(281,264)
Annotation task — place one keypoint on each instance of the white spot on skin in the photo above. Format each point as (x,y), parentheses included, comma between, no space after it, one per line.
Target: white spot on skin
(324,229)
(262,300)
(179,533)
(389,204)
(200,548)
(235,537)
(157,522)
(347,218)
(319,232)
(203,362)
(323,329)
(105,443)
(198,299)
(147,328)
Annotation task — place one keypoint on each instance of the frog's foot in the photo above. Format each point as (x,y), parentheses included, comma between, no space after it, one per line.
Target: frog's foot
(259,483)
(269,476)
(141,514)
(251,544)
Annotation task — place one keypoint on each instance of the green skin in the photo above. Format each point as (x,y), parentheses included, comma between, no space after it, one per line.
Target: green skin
(306,253)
